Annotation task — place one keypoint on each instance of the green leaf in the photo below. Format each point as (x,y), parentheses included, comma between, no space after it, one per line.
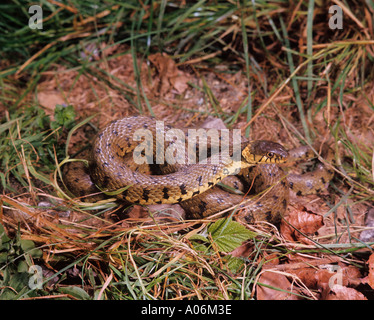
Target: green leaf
(3,236)
(18,281)
(64,116)
(28,246)
(228,234)
(234,264)
(3,257)
(22,266)
(115,192)
(76,292)
(199,237)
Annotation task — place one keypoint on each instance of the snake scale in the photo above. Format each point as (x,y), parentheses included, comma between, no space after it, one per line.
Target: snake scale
(193,186)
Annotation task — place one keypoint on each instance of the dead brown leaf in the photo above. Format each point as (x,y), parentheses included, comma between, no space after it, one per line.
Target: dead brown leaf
(278,281)
(339,292)
(313,278)
(371,271)
(137,212)
(351,274)
(49,99)
(300,221)
(169,75)
(244,250)
(370,278)
(325,278)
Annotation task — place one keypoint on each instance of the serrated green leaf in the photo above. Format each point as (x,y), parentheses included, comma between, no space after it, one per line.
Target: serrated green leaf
(234,263)
(228,234)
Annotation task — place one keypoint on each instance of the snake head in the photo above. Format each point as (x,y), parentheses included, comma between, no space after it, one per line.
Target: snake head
(264,151)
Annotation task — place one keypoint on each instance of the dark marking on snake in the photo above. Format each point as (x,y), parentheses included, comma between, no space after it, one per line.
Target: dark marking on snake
(199,180)
(146,194)
(165,192)
(284,203)
(182,188)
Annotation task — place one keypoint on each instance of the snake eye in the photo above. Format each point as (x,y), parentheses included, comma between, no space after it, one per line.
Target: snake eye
(270,154)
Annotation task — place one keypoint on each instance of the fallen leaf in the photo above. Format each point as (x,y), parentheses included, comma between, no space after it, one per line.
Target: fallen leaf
(283,289)
(327,276)
(351,275)
(137,212)
(370,277)
(49,99)
(313,278)
(170,75)
(299,222)
(244,250)
(339,292)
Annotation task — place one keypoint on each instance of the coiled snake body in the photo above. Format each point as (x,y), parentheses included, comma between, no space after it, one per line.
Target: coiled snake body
(193,185)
